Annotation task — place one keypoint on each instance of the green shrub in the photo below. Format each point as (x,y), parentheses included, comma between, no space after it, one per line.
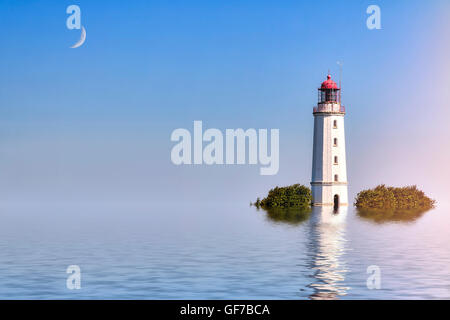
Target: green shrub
(295,196)
(391,199)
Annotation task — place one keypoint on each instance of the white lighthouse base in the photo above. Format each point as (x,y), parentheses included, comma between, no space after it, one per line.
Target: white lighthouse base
(324,194)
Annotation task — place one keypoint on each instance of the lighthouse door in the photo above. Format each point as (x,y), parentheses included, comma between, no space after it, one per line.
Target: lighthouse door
(336,201)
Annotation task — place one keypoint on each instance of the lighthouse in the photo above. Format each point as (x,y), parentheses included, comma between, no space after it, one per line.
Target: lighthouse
(329,168)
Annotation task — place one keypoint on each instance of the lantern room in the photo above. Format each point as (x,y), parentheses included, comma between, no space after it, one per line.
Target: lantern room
(329,92)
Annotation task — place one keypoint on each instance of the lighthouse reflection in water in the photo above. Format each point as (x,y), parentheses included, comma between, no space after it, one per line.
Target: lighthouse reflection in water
(327,228)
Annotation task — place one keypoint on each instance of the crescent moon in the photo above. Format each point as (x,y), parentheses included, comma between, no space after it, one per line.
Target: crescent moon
(82,38)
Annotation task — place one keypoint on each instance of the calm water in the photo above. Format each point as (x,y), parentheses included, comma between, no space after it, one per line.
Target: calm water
(206,252)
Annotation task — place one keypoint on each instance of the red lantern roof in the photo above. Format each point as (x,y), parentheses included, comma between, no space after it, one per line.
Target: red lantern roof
(329,84)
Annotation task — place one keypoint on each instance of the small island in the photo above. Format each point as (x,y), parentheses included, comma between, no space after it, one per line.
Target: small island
(291,205)
(392,203)
(295,196)
(381,204)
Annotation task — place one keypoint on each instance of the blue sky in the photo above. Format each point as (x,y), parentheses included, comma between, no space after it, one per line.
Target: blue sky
(95,122)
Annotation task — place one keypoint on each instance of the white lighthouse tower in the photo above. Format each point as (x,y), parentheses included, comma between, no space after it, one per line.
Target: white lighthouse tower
(329,168)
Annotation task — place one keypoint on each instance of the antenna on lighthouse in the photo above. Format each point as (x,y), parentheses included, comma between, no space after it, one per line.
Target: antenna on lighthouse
(340,80)
(340,73)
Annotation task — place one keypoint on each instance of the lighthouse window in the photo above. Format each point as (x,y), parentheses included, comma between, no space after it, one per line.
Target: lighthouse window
(336,178)
(335,124)
(335,142)
(335,160)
